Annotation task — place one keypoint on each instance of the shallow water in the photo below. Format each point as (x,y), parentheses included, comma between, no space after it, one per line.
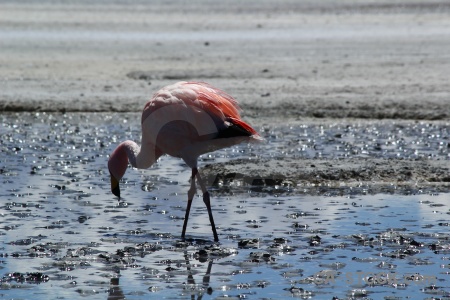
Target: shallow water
(67,235)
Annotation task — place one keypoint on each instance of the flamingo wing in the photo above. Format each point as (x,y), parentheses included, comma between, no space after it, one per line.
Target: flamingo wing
(215,102)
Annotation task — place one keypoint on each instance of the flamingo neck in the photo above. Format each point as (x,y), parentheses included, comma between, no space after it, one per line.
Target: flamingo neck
(140,157)
(147,155)
(129,151)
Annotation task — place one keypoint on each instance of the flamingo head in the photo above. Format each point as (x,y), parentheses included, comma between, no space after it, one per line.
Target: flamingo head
(117,165)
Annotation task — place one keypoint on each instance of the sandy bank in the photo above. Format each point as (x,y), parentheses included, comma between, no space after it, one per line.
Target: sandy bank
(331,59)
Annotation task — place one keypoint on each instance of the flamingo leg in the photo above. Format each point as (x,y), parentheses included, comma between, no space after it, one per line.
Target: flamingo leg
(207,201)
(188,267)
(207,276)
(191,194)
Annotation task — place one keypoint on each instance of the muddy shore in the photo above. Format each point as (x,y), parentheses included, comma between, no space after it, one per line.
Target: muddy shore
(286,62)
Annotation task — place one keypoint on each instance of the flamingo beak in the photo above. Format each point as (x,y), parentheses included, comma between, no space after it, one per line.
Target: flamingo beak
(115,186)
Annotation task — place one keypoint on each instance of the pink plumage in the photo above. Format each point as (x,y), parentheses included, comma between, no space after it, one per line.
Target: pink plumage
(185,120)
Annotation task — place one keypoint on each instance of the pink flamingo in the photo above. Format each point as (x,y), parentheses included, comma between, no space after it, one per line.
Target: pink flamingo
(183,120)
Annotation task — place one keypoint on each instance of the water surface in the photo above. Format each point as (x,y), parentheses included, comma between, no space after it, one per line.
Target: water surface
(64,234)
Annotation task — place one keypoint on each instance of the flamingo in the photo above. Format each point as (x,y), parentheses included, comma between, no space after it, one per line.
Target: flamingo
(185,120)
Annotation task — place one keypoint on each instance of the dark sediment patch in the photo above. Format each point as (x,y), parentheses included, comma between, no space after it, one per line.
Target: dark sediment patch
(174,75)
(322,175)
(360,109)
(291,110)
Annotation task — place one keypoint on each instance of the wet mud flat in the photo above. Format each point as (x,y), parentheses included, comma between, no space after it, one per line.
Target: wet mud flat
(64,233)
